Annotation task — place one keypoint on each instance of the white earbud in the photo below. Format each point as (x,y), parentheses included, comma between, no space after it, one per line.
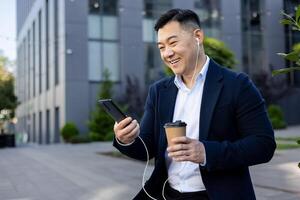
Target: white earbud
(198,42)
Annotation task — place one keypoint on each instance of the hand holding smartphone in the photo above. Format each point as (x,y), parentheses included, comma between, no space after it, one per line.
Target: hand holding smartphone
(132,128)
(112,109)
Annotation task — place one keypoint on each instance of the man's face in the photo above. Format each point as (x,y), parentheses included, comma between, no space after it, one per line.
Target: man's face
(178,48)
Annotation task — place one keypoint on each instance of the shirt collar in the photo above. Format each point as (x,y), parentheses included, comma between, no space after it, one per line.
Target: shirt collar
(201,75)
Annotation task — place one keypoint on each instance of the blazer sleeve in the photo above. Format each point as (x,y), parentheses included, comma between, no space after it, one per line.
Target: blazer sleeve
(137,149)
(256,145)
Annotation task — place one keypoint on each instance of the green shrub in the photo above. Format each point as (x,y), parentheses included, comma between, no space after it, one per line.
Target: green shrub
(69,131)
(276,116)
(101,123)
(80,139)
(96,136)
(109,137)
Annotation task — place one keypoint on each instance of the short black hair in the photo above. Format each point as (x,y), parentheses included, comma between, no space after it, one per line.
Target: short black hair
(184,16)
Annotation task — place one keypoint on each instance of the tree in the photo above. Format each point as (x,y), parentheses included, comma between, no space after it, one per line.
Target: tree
(101,125)
(294,55)
(218,51)
(8,100)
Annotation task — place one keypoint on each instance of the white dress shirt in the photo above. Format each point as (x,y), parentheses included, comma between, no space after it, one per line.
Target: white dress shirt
(185,176)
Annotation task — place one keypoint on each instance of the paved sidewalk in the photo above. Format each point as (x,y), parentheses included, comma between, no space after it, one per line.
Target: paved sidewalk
(291,131)
(77,172)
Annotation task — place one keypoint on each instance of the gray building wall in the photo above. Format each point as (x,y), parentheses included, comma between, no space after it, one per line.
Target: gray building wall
(76,67)
(131,41)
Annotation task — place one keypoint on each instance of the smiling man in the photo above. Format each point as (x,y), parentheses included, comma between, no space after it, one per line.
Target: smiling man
(227,125)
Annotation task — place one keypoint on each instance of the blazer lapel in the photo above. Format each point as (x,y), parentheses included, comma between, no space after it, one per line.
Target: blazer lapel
(212,88)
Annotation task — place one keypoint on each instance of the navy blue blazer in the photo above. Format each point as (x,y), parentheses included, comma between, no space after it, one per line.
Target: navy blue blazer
(234,128)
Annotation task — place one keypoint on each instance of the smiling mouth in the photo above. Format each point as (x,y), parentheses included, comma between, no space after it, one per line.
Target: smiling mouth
(174,61)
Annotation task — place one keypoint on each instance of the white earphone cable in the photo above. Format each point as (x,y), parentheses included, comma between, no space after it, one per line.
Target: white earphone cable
(196,64)
(145,170)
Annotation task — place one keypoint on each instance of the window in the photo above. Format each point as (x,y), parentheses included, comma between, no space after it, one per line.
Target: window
(149,34)
(210,16)
(28,65)
(103,39)
(56,125)
(152,10)
(94,26)
(40,51)
(94,58)
(33,56)
(56,68)
(28,123)
(40,139)
(33,128)
(110,27)
(98,61)
(252,37)
(47,126)
(47,44)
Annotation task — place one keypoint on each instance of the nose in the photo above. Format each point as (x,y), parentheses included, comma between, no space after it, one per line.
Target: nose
(168,52)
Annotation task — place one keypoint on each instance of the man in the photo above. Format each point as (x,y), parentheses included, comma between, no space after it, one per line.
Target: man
(227,125)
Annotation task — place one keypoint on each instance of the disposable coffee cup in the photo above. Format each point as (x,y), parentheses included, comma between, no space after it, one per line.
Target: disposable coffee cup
(175,129)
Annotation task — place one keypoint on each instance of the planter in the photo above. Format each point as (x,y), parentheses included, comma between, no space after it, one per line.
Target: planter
(2,140)
(10,140)
(7,140)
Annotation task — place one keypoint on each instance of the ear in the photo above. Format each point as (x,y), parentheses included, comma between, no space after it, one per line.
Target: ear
(198,33)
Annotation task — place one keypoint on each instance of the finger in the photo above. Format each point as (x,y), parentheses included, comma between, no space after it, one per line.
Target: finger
(134,134)
(130,127)
(182,159)
(177,154)
(129,132)
(122,124)
(182,139)
(178,147)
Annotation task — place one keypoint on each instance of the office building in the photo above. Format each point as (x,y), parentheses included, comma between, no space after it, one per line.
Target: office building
(63,48)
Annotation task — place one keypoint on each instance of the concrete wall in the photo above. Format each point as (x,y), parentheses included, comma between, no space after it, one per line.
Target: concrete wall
(131,41)
(76,70)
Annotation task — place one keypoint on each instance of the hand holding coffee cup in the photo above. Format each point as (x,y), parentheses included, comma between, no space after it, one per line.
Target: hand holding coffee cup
(174,129)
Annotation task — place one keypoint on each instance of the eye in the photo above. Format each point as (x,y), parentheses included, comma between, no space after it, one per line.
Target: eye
(173,43)
(161,47)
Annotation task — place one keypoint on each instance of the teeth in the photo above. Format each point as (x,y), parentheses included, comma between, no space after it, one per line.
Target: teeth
(174,61)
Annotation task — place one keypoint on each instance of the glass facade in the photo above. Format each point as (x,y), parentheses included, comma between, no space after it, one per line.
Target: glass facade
(210,16)
(33,127)
(56,67)
(40,50)
(152,10)
(252,36)
(47,126)
(47,43)
(57,125)
(103,37)
(40,134)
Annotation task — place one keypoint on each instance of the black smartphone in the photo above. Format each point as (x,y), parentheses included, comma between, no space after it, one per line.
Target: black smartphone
(112,109)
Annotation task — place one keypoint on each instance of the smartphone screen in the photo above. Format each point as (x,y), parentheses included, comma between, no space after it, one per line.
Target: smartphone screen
(112,109)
